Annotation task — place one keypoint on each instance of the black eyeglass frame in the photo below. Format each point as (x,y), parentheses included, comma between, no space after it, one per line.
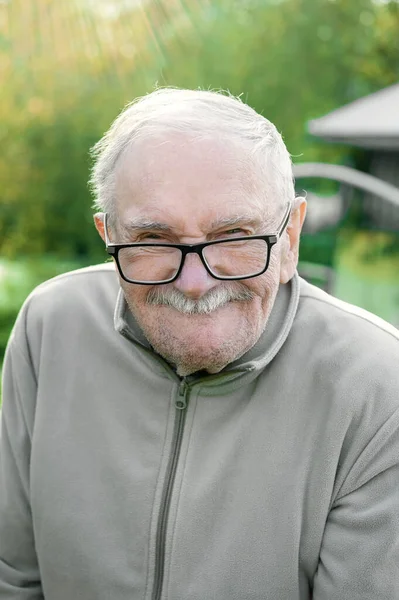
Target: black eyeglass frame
(270,239)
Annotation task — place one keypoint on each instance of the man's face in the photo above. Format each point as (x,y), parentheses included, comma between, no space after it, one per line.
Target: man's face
(190,187)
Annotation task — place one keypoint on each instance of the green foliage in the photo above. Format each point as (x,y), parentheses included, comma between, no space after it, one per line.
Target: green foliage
(319,248)
(292,60)
(7,318)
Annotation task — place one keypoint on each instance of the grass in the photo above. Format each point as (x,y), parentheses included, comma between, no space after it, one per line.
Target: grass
(371,255)
(367,269)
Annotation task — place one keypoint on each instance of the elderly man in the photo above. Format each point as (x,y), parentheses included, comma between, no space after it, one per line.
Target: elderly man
(198,423)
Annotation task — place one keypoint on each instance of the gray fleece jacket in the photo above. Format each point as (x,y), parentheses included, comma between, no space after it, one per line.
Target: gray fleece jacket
(277,479)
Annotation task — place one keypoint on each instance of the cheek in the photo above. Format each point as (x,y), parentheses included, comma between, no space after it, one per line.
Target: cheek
(136,295)
(265,286)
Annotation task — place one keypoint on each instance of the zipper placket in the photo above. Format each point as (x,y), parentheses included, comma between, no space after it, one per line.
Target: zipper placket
(181,405)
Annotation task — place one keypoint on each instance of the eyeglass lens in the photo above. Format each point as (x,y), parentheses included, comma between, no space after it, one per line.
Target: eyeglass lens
(160,263)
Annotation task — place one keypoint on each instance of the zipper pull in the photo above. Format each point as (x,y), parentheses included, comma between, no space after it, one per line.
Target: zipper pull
(181,402)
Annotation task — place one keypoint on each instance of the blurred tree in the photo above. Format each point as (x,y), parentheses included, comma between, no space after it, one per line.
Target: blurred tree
(293,59)
(380,67)
(69,71)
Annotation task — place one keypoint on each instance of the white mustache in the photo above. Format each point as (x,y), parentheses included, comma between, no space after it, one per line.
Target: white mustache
(211,301)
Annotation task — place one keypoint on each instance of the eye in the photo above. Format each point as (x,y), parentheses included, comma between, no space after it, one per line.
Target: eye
(235,230)
(150,236)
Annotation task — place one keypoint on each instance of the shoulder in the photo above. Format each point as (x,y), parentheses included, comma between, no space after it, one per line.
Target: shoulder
(75,282)
(349,360)
(333,317)
(348,348)
(68,300)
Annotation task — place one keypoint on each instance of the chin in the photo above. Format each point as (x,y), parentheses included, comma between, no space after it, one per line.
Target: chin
(187,365)
(199,342)
(200,349)
(184,370)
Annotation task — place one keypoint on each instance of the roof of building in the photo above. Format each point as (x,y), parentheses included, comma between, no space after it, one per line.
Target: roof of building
(370,122)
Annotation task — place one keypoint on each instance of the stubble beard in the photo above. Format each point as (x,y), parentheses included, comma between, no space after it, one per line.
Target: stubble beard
(183,356)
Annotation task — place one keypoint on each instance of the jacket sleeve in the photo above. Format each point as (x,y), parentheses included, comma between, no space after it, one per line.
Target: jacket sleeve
(359,558)
(19,572)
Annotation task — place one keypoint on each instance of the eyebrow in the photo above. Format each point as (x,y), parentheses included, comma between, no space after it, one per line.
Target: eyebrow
(139,225)
(236,220)
(135,225)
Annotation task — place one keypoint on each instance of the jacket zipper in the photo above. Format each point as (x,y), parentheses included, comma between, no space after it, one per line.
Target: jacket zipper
(181,405)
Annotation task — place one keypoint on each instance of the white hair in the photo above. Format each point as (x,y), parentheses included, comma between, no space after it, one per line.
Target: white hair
(198,113)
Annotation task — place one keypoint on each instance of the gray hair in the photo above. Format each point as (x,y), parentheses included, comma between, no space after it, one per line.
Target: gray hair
(199,113)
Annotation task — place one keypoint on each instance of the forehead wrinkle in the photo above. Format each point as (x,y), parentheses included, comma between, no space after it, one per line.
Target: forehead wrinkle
(258,214)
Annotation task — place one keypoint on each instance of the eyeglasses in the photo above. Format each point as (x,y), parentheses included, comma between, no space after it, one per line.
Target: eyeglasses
(227,259)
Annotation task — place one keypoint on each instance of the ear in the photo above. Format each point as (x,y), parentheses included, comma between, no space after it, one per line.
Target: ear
(290,252)
(99,223)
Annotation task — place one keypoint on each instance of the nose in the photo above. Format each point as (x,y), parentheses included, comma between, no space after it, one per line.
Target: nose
(194,280)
